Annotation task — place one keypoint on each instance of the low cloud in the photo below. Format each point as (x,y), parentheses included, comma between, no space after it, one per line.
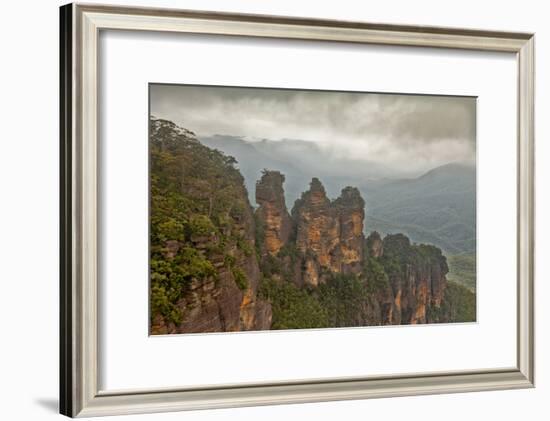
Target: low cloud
(409,132)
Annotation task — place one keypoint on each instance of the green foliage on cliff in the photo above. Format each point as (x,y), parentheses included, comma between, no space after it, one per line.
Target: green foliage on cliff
(377,278)
(198,211)
(293,307)
(343,301)
(244,245)
(400,254)
(200,225)
(283,264)
(240,278)
(459,304)
(396,254)
(344,297)
(170,278)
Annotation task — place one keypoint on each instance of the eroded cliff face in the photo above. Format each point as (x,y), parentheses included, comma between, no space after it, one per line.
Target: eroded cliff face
(375,245)
(350,209)
(416,275)
(272,212)
(222,303)
(317,231)
(204,271)
(329,234)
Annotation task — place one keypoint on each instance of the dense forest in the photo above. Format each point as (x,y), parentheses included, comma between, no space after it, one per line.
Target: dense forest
(218,264)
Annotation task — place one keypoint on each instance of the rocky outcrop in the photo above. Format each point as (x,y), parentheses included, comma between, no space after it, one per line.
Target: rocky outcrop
(221,303)
(317,231)
(375,245)
(272,212)
(416,275)
(350,210)
(329,234)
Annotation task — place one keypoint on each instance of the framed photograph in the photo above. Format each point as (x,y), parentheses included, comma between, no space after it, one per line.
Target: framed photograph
(263,210)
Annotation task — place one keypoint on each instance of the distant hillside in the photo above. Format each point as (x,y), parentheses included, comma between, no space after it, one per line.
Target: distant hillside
(462,269)
(437,207)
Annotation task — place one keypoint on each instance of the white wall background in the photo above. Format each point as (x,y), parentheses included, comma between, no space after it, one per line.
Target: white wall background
(29,208)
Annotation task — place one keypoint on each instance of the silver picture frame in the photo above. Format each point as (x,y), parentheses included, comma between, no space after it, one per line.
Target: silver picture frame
(80,25)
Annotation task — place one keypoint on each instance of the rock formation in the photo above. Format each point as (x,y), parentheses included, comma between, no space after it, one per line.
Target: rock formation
(350,209)
(406,282)
(272,212)
(219,303)
(329,234)
(416,279)
(375,245)
(317,231)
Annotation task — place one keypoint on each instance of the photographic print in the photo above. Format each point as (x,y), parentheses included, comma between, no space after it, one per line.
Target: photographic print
(292,209)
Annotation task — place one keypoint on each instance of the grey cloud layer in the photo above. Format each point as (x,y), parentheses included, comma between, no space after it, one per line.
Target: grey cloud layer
(419,132)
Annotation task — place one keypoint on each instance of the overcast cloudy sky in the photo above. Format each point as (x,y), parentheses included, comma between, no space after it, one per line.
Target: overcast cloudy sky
(411,132)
